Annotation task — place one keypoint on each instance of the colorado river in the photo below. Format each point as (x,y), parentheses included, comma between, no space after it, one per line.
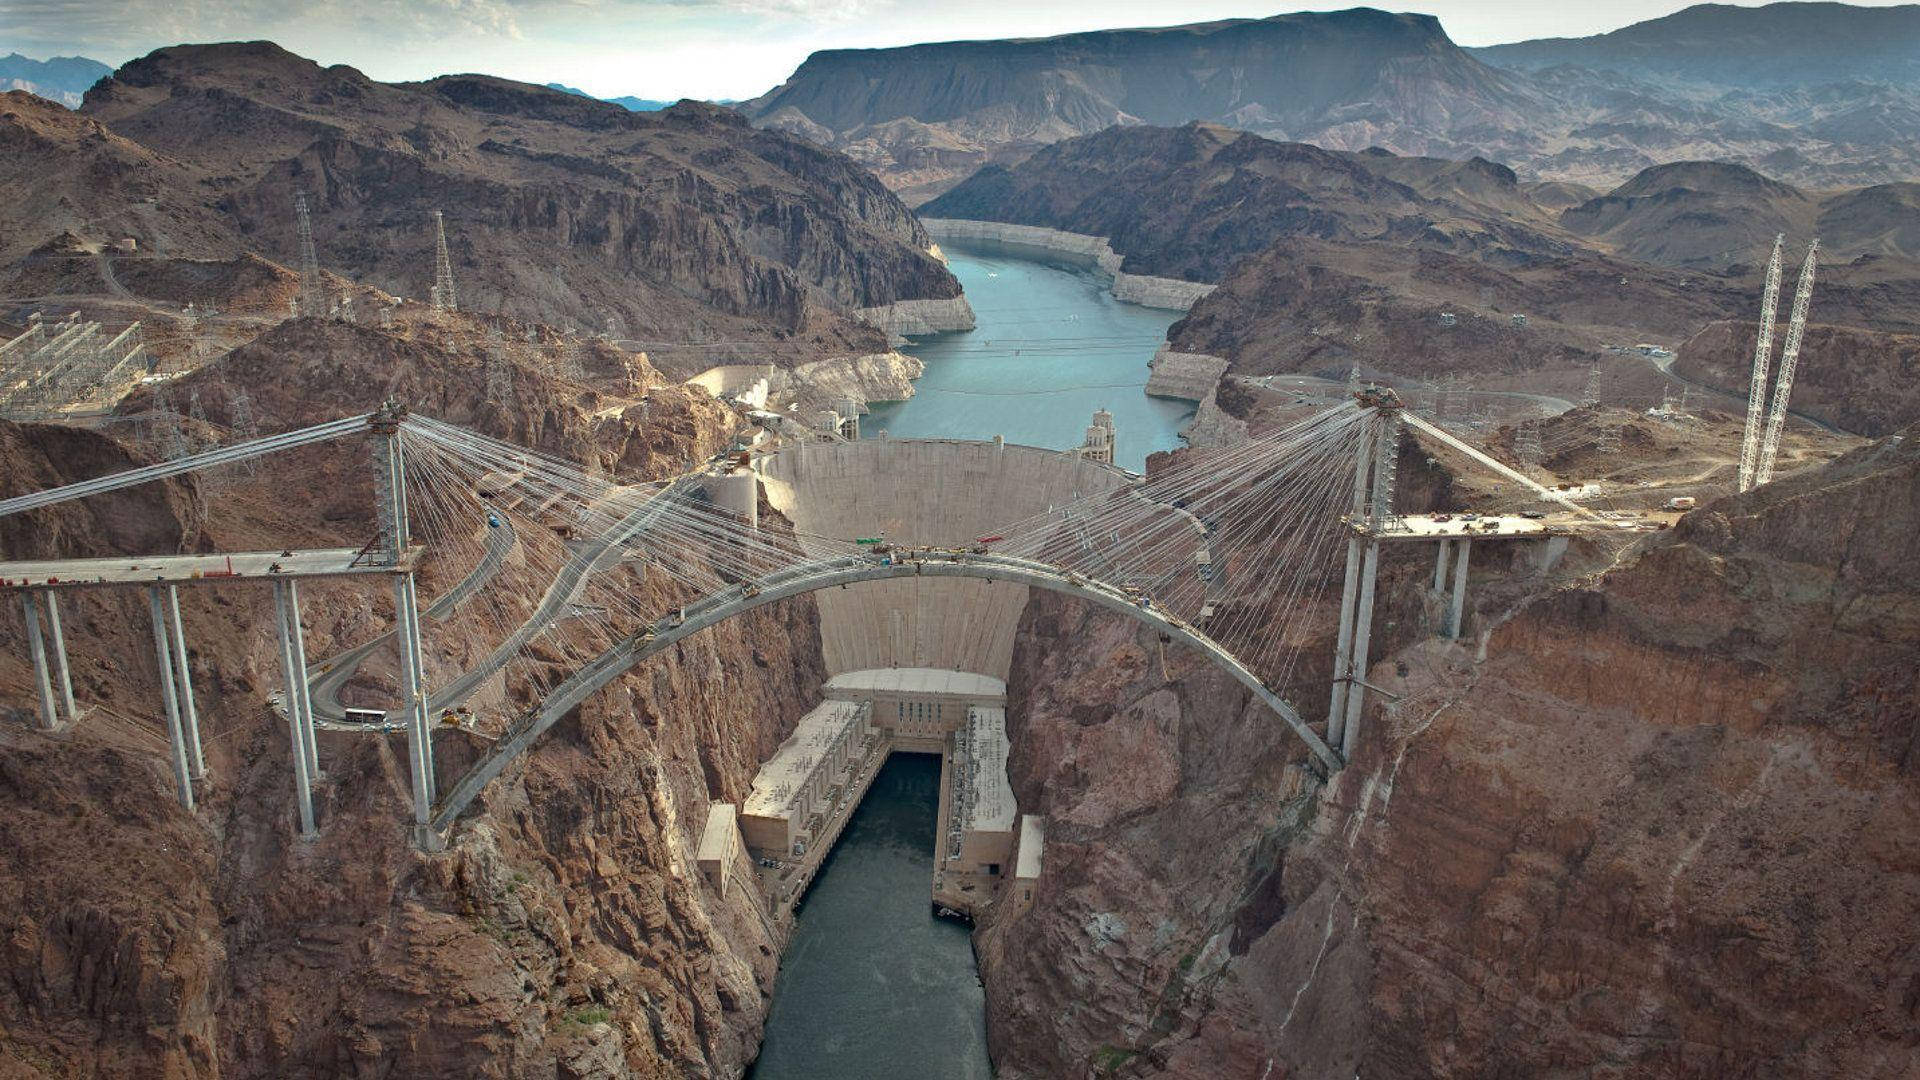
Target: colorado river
(1050,346)
(873,986)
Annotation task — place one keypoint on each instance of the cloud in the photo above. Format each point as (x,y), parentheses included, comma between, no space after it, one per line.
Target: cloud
(121,28)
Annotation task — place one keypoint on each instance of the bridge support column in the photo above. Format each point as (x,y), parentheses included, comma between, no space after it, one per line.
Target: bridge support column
(176,735)
(419,731)
(1362,643)
(309,745)
(37,646)
(1440,565)
(189,713)
(60,668)
(1385,445)
(296,721)
(1343,644)
(1456,609)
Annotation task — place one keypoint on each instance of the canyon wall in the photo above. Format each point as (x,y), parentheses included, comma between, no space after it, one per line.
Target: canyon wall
(1855,378)
(1172,294)
(1651,822)
(566,931)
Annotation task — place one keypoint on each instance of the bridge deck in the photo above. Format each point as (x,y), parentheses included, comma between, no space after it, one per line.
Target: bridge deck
(1516,527)
(193,569)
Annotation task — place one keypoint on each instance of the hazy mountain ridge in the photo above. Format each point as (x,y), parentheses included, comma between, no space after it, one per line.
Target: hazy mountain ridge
(1777,46)
(64,79)
(924,115)
(625,101)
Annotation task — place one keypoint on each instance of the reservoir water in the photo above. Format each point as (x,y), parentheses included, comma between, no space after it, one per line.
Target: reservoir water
(1050,346)
(873,986)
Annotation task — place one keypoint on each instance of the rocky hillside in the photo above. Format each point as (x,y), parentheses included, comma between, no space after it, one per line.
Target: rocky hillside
(924,116)
(564,934)
(1610,821)
(1330,259)
(1189,201)
(684,225)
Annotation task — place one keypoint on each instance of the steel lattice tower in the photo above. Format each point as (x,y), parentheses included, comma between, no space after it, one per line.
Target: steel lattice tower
(311,302)
(1789,363)
(443,294)
(1762,359)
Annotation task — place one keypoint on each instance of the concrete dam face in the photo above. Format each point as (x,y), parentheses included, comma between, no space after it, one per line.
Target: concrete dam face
(942,493)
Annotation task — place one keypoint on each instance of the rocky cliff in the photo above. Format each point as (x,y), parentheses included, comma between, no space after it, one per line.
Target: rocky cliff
(1851,377)
(678,226)
(566,932)
(1656,819)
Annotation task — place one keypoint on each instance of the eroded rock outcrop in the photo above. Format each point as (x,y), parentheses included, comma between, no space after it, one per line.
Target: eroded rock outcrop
(566,932)
(1662,828)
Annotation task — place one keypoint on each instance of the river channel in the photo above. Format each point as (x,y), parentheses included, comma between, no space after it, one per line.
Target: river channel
(873,986)
(1050,346)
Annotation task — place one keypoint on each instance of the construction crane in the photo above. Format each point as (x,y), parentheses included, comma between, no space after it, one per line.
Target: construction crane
(1789,362)
(1762,359)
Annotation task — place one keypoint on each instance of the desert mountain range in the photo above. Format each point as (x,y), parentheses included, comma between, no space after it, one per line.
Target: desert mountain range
(680,225)
(1816,94)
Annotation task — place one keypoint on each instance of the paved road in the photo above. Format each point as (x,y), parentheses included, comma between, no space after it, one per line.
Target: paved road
(585,561)
(325,679)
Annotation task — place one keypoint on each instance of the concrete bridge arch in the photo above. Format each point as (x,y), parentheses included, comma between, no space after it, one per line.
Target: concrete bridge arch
(829,574)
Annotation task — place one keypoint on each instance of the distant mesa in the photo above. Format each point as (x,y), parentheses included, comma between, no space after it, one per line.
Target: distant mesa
(1820,95)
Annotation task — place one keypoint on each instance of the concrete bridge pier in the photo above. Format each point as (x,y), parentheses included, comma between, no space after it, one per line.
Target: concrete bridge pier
(297,717)
(1457,608)
(1374,466)
(190,714)
(44,677)
(176,731)
(419,725)
(308,744)
(1343,643)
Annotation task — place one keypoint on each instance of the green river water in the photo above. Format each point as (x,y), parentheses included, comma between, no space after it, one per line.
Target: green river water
(873,985)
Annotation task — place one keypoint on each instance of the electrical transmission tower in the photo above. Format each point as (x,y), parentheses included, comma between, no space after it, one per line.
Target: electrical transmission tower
(1526,443)
(1591,396)
(443,295)
(310,298)
(1762,358)
(567,363)
(1789,363)
(1608,444)
(499,370)
(245,427)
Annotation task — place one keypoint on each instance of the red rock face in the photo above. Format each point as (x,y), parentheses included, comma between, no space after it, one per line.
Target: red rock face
(1665,828)
(566,933)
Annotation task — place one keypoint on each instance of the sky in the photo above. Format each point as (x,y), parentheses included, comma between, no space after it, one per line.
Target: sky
(682,48)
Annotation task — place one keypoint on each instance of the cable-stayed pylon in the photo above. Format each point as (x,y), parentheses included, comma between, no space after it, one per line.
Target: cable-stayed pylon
(443,294)
(1789,363)
(1762,360)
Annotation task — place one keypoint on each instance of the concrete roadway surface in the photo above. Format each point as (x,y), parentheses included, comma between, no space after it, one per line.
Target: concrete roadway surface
(597,555)
(326,678)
